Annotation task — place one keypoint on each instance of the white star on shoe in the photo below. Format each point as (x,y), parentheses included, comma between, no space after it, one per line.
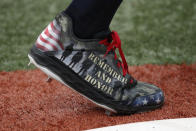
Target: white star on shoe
(152,97)
(161,94)
(145,102)
(158,101)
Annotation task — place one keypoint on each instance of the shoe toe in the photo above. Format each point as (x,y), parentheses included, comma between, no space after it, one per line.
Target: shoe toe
(152,98)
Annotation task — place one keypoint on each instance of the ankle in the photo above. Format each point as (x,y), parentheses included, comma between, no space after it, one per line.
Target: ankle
(86,32)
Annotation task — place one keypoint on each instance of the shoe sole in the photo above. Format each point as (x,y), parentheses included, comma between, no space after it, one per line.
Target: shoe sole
(109,110)
(56,77)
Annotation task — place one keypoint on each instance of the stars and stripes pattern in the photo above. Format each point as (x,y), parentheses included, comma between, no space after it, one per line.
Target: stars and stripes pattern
(49,39)
(151,100)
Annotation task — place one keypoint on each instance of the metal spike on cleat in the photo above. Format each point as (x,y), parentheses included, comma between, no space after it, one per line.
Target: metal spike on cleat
(107,112)
(49,79)
(29,63)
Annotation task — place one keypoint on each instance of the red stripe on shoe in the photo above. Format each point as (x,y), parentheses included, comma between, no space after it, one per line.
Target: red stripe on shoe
(41,47)
(54,29)
(46,32)
(47,42)
(56,25)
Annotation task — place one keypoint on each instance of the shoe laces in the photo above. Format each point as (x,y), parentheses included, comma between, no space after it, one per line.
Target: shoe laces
(112,43)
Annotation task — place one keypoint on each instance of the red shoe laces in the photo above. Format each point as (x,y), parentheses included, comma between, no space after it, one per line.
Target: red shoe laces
(111,46)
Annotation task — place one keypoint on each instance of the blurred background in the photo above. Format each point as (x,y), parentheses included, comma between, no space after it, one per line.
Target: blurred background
(152,31)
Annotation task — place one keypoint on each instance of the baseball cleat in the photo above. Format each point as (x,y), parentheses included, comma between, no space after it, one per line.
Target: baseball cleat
(92,68)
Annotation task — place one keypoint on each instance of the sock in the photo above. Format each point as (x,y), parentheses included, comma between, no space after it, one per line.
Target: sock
(91,18)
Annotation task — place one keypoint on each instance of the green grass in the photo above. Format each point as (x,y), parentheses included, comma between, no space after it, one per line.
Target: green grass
(152,31)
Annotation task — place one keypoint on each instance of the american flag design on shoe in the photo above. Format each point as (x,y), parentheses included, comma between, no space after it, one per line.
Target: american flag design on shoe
(49,39)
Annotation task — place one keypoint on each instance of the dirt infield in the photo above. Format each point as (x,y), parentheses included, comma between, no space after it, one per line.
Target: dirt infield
(27,102)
